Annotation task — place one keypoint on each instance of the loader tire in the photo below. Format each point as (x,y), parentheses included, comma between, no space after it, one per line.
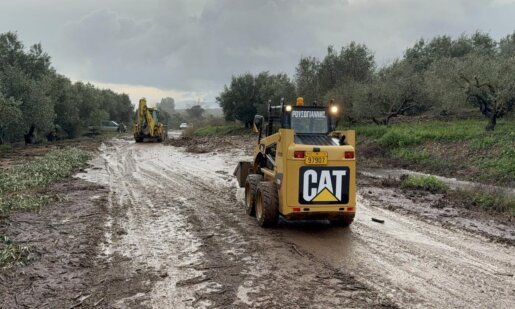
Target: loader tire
(343,221)
(267,204)
(251,184)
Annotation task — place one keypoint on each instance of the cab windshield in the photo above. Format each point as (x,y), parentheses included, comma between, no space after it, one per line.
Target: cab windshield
(309,122)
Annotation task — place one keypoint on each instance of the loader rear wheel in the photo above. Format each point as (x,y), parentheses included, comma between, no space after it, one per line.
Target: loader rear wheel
(267,204)
(251,184)
(343,221)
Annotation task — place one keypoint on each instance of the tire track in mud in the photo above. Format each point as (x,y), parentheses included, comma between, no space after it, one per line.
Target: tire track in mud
(417,263)
(177,219)
(239,241)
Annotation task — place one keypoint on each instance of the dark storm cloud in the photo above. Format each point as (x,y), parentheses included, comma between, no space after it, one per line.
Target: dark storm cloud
(195,46)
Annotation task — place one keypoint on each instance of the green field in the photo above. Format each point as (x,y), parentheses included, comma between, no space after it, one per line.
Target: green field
(462,149)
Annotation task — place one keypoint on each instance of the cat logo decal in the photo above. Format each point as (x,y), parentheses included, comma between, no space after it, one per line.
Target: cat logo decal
(324,185)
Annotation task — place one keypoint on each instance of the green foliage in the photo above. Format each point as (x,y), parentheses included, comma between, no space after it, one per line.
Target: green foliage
(495,201)
(54,165)
(19,184)
(426,183)
(485,200)
(354,62)
(10,119)
(195,112)
(12,254)
(306,79)
(167,104)
(396,138)
(248,94)
(5,148)
(396,90)
(449,146)
(23,202)
(411,154)
(33,94)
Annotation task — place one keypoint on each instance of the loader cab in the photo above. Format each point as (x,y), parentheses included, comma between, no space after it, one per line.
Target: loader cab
(304,120)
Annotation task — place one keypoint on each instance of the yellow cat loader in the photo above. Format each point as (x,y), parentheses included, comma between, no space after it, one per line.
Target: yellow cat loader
(303,168)
(147,127)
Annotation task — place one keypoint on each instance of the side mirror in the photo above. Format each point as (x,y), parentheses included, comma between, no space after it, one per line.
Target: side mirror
(258,123)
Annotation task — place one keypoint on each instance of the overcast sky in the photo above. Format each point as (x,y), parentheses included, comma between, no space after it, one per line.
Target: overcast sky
(189,49)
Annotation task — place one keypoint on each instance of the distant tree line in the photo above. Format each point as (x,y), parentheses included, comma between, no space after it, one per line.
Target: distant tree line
(442,76)
(34,98)
(169,115)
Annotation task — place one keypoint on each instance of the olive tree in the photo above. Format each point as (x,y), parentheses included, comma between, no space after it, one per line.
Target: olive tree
(10,119)
(248,94)
(488,84)
(397,90)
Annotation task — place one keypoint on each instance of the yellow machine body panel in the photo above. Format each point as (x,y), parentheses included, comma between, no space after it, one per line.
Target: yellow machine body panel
(147,126)
(324,187)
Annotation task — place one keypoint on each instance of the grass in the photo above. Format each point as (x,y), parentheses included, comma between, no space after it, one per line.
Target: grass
(456,147)
(230,129)
(480,198)
(426,183)
(485,200)
(19,184)
(19,190)
(12,254)
(5,148)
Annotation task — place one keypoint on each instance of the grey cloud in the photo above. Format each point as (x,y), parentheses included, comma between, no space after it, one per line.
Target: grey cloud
(198,45)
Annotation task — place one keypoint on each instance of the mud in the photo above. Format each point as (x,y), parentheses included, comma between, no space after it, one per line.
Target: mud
(383,173)
(172,233)
(183,221)
(62,239)
(195,144)
(21,153)
(438,209)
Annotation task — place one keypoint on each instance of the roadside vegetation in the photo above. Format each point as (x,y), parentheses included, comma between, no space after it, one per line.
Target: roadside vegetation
(460,148)
(480,198)
(426,183)
(20,185)
(37,103)
(442,77)
(12,254)
(486,200)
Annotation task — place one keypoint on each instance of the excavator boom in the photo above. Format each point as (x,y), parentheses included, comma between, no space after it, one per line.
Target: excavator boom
(147,126)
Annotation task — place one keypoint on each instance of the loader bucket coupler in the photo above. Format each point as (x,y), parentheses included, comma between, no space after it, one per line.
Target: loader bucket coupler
(242,171)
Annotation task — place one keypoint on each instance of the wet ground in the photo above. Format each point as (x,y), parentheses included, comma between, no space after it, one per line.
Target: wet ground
(173,234)
(454,183)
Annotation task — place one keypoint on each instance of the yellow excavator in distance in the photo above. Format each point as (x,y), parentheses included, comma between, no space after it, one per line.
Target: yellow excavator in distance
(147,127)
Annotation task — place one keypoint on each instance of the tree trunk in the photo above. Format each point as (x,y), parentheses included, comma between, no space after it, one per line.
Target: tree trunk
(30,137)
(492,122)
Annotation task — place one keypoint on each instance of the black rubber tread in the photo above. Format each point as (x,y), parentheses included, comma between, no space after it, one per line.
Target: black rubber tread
(344,221)
(270,196)
(251,184)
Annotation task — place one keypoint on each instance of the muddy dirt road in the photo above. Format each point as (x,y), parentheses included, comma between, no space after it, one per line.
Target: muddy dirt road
(176,236)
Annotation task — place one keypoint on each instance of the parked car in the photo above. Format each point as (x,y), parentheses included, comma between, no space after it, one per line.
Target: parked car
(109,126)
(184,125)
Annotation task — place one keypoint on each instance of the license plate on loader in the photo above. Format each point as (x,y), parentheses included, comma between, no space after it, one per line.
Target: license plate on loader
(316,158)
